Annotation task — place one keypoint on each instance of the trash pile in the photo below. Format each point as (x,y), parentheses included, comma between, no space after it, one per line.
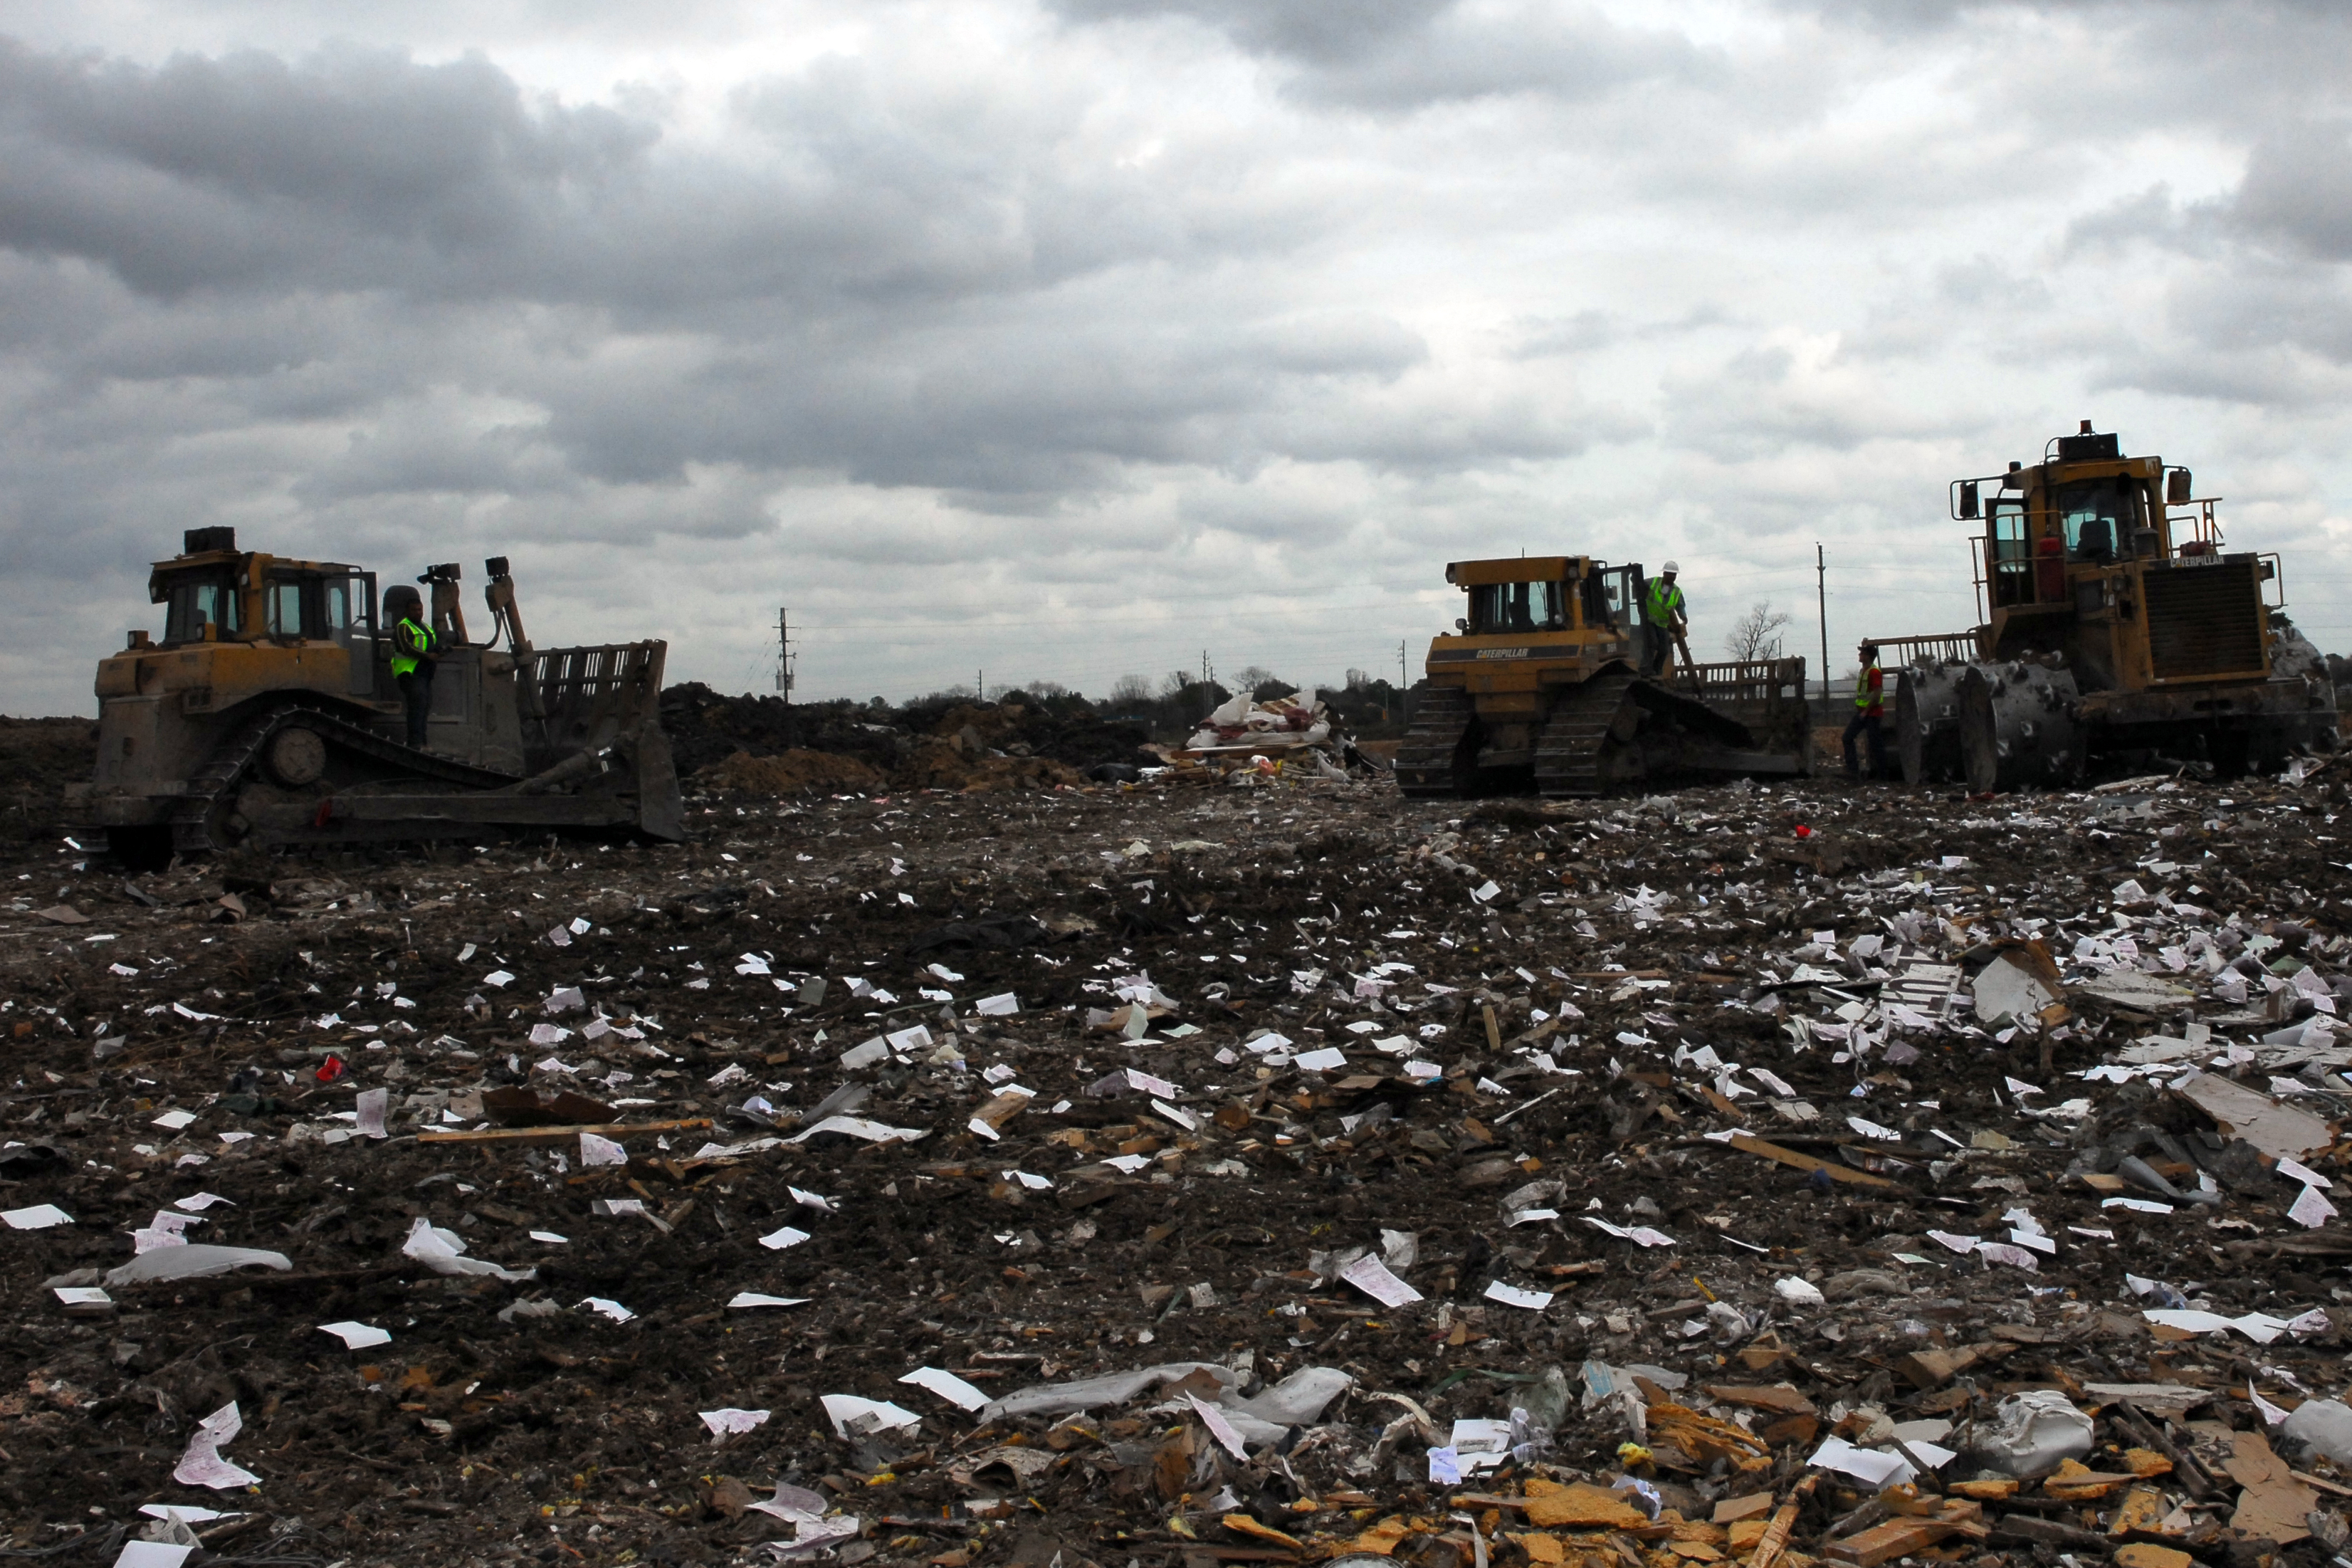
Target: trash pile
(1280,724)
(1248,742)
(1772,1176)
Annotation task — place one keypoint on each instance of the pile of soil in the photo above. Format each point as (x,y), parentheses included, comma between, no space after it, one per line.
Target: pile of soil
(1067,731)
(706,727)
(792,772)
(38,758)
(1014,745)
(944,764)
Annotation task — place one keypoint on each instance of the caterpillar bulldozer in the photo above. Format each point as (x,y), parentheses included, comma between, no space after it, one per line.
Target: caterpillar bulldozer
(267,715)
(2114,625)
(1538,690)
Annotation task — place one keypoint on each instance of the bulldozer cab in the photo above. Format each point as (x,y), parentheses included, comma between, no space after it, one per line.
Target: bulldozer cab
(1503,608)
(1531,595)
(223,596)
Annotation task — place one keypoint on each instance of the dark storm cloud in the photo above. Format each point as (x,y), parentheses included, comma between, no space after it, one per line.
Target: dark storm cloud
(338,237)
(360,170)
(357,170)
(2297,191)
(1394,56)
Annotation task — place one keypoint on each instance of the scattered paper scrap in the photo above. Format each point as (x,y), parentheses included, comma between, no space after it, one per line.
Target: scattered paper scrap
(1372,1276)
(357,1336)
(1513,1296)
(948,1386)
(853,1417)
(601,1151)
(754,1298)
(731,1422)
(202,1464)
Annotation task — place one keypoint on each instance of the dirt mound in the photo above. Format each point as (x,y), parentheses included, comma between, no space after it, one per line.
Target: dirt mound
(950,764)
(1064,729)
(788,773)
(38,758)
(705,728)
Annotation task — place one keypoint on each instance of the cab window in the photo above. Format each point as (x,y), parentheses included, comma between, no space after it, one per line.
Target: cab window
(2099,516)
(283,601)
(2012,564)
(1508,607)
(193,601)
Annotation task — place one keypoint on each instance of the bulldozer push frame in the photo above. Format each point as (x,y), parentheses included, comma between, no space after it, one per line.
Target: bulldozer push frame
(1538,691)
(267,717)
(2112,626)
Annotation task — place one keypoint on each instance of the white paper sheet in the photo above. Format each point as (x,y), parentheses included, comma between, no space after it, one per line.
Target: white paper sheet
(357,1336)
(948,1386)
(1372,1276)
(202,1464)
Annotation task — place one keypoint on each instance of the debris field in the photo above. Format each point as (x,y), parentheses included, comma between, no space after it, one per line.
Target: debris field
(1153,1177)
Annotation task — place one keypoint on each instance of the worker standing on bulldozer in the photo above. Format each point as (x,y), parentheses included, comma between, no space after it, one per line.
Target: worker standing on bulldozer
(414,652)
(1663,620)
(1869,715)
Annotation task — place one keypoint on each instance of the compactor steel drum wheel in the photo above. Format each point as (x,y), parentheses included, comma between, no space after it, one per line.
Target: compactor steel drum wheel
(1928,720)
(2017,726)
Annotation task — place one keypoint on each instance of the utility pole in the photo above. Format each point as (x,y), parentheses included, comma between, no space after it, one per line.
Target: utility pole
(1821,590)
(784,672)
(980,685)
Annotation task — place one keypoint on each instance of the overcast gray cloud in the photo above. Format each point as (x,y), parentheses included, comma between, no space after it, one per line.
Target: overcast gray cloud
(1069,338)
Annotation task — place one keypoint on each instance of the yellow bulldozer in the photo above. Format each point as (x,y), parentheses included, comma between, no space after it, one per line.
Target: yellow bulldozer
(2113,624)
(1538,691)
(267,715)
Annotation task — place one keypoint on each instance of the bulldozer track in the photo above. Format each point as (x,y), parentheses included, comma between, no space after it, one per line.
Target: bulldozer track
(1575,741)
(1424,762)
(1569,751)
(233,760)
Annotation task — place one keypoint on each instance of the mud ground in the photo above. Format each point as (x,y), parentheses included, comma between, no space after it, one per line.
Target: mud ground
(1556,969)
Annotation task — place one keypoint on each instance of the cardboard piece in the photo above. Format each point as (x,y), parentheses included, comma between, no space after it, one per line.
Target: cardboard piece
(1581,1507)
(2274,1504)
(2279,1130)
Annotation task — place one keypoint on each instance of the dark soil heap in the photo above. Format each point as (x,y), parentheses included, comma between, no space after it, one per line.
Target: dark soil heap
(1014,743)
(38,758)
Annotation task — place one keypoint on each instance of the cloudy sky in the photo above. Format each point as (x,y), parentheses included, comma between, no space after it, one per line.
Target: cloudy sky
(1070,339)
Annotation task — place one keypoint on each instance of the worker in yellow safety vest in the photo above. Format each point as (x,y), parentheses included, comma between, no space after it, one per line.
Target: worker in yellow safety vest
(1869,715)
(414,652)
(1663,620)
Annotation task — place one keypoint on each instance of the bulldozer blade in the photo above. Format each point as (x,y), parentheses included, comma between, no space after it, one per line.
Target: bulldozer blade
(661,810)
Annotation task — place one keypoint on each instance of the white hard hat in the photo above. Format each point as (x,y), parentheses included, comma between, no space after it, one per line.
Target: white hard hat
(1670,569)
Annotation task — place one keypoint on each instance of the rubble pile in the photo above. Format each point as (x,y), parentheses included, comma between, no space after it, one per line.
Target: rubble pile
(38,758)
(1297,720)
(1019,743)
(1163,1178)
